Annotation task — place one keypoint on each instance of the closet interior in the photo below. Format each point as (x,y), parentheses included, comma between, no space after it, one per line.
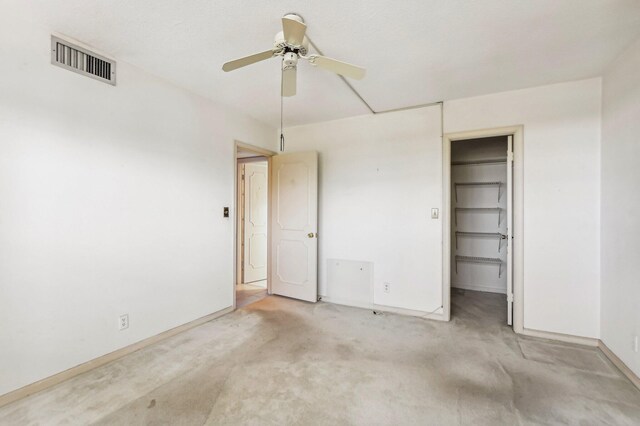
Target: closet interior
(479,214)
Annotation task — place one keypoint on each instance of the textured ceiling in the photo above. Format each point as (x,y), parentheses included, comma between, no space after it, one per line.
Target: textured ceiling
(415,51)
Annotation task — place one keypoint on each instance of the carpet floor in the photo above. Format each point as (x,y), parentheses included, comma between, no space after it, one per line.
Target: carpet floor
(280,361)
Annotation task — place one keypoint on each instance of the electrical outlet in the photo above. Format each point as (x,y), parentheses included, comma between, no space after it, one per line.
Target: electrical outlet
(635,343)
(435,213)
(387,287)
(123,322)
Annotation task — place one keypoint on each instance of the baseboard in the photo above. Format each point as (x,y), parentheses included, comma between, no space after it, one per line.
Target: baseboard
(104,359)
(620,365)
(346,302)
(438,316)
(588,341)
(567,338)
(484,288)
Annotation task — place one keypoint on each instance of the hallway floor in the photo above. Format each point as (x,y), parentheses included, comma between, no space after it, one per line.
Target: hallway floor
(280,361)
(247,294)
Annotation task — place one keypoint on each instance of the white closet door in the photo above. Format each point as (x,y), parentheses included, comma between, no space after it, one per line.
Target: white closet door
(294,225)
(256,193)
(510,231)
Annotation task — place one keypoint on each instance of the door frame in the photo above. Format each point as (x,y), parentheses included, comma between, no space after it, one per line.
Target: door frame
(517,214)
(267,154)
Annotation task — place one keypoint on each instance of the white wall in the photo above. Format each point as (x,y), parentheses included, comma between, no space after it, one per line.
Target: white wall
(620,195)
(561,196)
(379,177)
(111,202)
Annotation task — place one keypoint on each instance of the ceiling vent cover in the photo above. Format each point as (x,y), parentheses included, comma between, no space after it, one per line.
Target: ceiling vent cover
(82,61)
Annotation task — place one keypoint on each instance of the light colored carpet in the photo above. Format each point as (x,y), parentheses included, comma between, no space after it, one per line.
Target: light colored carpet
(280,361)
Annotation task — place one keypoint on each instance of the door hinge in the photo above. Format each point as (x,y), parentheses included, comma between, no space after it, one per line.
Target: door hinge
(510,298)
(510,156)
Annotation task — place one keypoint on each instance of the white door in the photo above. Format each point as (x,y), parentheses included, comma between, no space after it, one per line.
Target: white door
(510,231)
(294,225)
(255,196)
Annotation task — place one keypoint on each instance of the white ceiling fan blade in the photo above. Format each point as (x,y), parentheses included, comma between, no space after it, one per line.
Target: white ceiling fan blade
(338,67)
(293,31)
(247,60)
(289,77)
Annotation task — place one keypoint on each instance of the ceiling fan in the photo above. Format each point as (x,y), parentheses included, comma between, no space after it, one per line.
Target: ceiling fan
(292,44)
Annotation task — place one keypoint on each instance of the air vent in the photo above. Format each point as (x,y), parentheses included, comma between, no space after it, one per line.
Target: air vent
(82,61)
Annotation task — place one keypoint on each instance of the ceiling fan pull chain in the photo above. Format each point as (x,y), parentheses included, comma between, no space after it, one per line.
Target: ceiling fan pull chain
(281,122)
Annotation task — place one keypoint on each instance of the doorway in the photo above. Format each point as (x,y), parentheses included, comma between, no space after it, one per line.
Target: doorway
(482,226)
(479,205)
(276,223)
(251,215)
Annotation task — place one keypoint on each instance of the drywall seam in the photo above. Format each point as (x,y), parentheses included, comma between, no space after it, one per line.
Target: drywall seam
(359,96)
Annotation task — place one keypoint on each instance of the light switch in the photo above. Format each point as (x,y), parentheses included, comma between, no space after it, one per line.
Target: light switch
(434,213)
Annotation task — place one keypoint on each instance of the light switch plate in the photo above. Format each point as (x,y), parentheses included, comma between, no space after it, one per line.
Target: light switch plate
(435,213)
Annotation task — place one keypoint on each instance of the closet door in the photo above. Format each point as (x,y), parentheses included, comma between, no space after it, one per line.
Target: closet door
(510,231)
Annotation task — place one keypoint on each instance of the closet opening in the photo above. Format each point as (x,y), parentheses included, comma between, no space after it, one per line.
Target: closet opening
(482,241)
(480,197)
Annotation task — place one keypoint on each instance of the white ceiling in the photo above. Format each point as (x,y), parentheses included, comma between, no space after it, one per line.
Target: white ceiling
(415,51)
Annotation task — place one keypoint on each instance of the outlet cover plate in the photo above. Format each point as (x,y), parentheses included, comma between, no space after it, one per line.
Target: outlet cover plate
(123,322)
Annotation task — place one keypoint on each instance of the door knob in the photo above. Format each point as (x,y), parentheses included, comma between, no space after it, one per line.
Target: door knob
(310,235)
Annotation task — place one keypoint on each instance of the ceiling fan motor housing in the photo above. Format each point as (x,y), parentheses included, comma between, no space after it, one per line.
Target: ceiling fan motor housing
(290,60)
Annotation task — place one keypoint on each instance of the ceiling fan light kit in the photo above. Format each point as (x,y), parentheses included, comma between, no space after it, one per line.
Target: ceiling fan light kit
(292,45)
